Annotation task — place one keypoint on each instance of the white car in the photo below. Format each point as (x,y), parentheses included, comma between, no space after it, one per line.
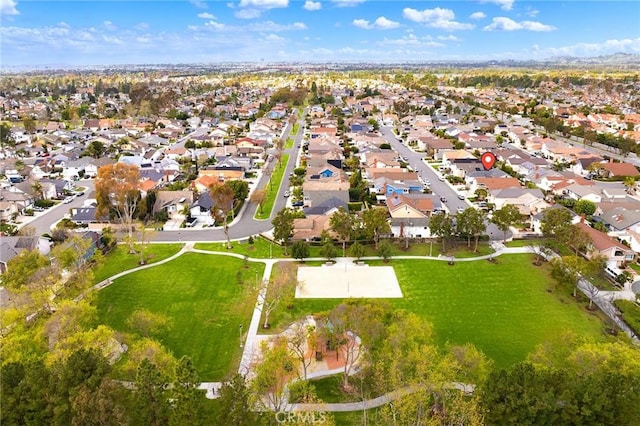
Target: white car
(67,200)
(287,193)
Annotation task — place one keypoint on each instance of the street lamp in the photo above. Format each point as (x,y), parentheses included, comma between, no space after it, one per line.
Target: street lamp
(240,328)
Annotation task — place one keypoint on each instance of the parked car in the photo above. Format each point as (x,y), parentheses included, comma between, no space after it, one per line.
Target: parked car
(461,197)
(443,199)
(297,204)
(67,200)
(79,194)
(287,193)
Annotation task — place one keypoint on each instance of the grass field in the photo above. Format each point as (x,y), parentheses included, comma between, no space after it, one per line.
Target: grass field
(202,299)
(505,308)
(119,259)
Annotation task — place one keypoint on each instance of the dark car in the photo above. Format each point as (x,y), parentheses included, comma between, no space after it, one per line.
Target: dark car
(297,204)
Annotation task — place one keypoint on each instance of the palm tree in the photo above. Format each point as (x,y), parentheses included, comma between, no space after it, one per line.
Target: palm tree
(37,190)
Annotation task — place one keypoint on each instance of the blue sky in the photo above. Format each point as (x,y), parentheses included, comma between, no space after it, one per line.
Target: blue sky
(37,33)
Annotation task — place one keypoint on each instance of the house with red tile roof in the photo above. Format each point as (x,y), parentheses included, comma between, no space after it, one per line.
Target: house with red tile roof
(616,253)
(617,169)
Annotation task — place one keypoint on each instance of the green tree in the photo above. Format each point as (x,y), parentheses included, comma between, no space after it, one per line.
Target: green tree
(505,217)
(384,250)
(328,250)
(352,319)
(272,374)
(585,207)
(185,395)
(29,125)
(343,224)
(235,408)
(356,250)
(96,149)
(151,394)
(567,270)
(26,394)
(240,189)
(375,223)
(300,250)
(283,227)
(555,226)
(441,225)
(630,184)
(6,137)
(223,202)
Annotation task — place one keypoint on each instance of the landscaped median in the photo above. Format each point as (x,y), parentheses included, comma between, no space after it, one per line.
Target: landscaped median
(272,189)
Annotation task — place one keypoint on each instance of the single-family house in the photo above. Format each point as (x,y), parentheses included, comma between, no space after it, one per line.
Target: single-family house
(616,253)
(172,202)
(10,247)
(201,209)
(617,169)
(311,227)
(528,201)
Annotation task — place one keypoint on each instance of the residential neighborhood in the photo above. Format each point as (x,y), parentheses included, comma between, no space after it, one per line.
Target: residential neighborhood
(377,178)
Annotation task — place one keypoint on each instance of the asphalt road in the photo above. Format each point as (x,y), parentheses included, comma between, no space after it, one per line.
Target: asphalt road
(440,188)
(43,221)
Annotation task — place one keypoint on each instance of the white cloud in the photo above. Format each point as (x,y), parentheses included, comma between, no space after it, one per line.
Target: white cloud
(206,15)
(628,45)
(532,12)
(502,23)
(450,37)
(215,25)
(264,4)
(252,9)
(436,18)
(381,23)
(141,26)
(113,40)
(347,3)
(248,13)
(312,5)
(271,26)
(8,7)
(477,15)
(199,4)
(109,25)
(411,40)
(274,37)
(504,4)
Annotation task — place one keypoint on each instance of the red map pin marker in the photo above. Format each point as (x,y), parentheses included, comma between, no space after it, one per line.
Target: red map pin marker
(488,160)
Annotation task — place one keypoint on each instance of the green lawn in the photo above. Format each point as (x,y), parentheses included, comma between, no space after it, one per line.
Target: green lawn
(524,243)
(201,297)
(288,144)
(272,188)
(505,308)
(296,127)
(119,259)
